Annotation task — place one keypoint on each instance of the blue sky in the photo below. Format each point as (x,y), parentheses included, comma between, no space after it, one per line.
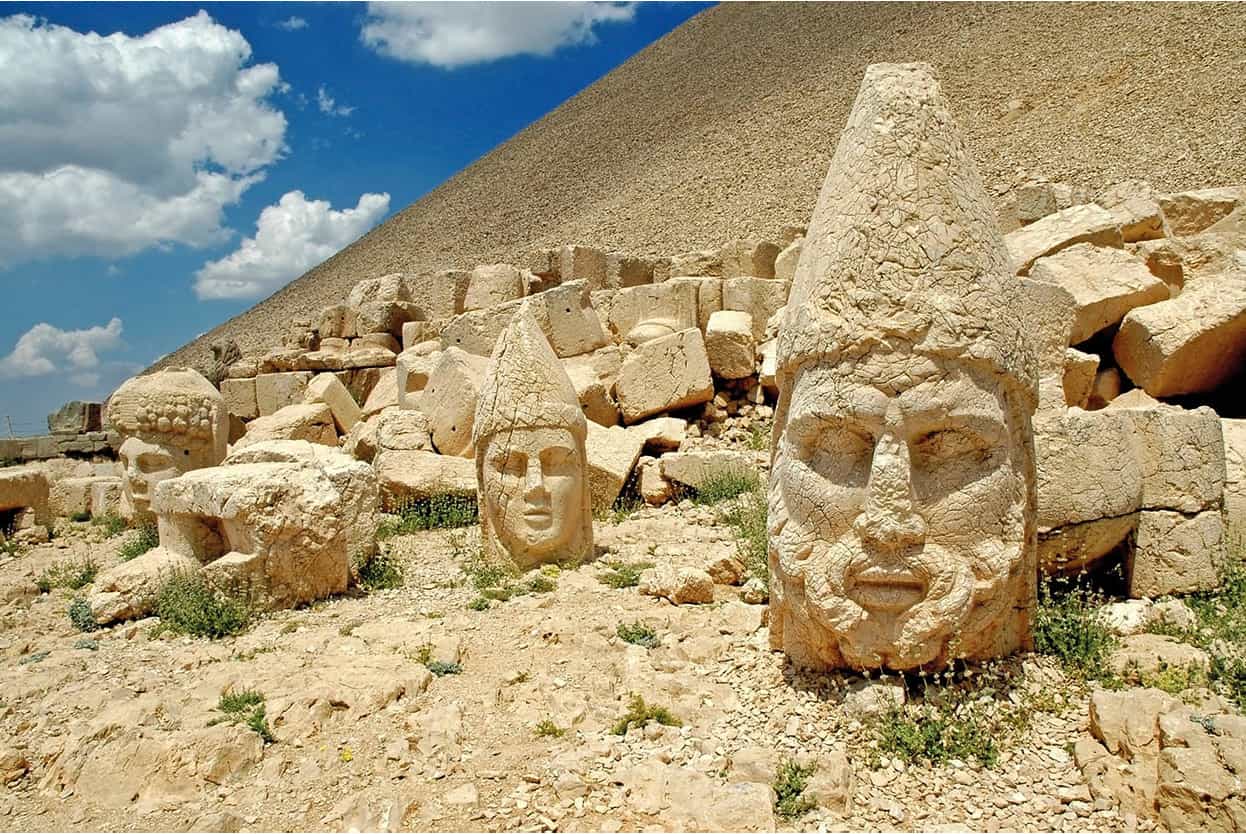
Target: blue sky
(185,160)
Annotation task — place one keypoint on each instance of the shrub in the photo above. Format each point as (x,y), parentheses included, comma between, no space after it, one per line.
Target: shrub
(80,615)
(441,667)
(485,573)
(639,714)
(80,516)
(143,539)
(789,789)
(186,605)
(638,634)
(548,729)
(747,519)
(1069,626)
(73,575)
(113,524)
(937,734)
(723,486)
(623,574)
(480,604)
(379,571)
(1221,627)
(437,512)
(540,584)
(246,708)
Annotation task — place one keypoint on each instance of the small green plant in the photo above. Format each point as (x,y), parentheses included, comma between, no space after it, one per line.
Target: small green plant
(486,573)
(142,540)
(31,659)
(746,516)
(186,605)
(789,789)
(379,571)
(759,435)
(9,547)
(87,644)
(540,584)
(80,615)
(548,729)
(639,714)
(80,516)
(113,524)
(723,486)
(963,721)
(246,708)
(480,604)
(437,512)
(638,634)
(441,667)
(1069,626)
(72,575)
(623,574)
(424,654)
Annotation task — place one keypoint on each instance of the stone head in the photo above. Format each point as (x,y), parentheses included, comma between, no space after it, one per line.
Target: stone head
(531,465)
(902,500)
(170,422)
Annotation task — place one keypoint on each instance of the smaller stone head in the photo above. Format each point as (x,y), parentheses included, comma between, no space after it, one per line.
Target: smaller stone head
(170,422)
(531,465)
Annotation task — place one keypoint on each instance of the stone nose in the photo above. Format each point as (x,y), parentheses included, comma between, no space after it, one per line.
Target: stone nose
(534,479)
(889,521)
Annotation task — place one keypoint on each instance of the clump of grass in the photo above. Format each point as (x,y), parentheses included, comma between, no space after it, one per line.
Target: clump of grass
(540,584)
(441,668)
(73,575)
(746,516)
(623,574)
(247,709)
(379,571)
(759,435)
(80,516)
(723,486)
(186,605)
(1069,625)
(789,789)
(548,729)
(435,513)
(487,573)
(639,714)
(638,634)
(480,604)
(80,615)
(1171,679)
(142,540)
(934,734)
(113,524)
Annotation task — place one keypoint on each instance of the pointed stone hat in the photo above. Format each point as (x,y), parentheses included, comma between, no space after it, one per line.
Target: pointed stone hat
(904,252)
(525,386)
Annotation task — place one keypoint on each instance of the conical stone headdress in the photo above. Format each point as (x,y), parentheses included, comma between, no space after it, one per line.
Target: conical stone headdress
(525,386)
(904,251)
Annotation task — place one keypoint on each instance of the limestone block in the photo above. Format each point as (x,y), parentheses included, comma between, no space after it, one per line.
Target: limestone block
(682,586)
(384,341)
(769,355)
(477,331)
(749,258)
(643,313)
(544,263)
(449,400)
(242,369)
(1135,398)
(1176,553)
(693,469)
(1034,200)
(1105,283)
(654,488)
(566,315)
(709,297)
(593,376)
(612,455)
(759,297)
(439,295)
(129,590)
(359,355)
(76,417)
(1181,455)
(275,391)
(1079,376)
(384,316)
(582,263)
(1106,387)
(1235,478)
(492,284)
(415,332)
(1140,218)
(628,270)
(785,262)
(729,344)
(106,496)
(1190,212)
(702,263)
(661,434)
(664,374)
(1192,343)
(420,475)
(398,430)
(1077,224)
(384,393)
(312,422)
(329,390)
(25,489)
(70,496)
(239,397)
(411,374)
(337,322)
(387,288)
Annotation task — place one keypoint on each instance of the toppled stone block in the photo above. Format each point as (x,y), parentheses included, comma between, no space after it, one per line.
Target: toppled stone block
(399,430)
(1175,553)
(1077,224)
(1235,477)
(1105,388)
(276,391)
(383,394)
(655,489)
(693,469)
(759,297)
(329,390)
(439,295)
(1181,456)
(709,295)
(702,263)
(1079,376)
(337,322)
(387,288)
(641,314)
(106,496)
(384,316)
(24,491)
(682,586)
(628,270)
(449,400)
(567,316)
(384,341)
(1105,284)
(72,496)
(729,344)
(661,434)
(239,396)
(612,455)
(593,376)
(312,422)
(492,284)
(411,372)
(582,263)
(418,475)
(664,374)
(749,258)
(1190,212)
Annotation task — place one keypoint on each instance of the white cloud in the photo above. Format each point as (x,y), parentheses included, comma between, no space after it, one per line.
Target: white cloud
(44,349)
(291,237)
(329,106)
(113,144)
(292,24)
(452,35)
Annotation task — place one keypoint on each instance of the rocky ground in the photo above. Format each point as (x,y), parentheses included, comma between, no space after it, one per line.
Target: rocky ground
(110,729)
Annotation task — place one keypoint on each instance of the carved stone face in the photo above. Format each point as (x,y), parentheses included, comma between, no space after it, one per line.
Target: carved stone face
(898,528)
(532,486)
(143,466)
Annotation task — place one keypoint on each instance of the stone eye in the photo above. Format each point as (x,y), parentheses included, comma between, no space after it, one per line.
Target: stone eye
(557,461)
(510,464)
(947,445)
(834,449)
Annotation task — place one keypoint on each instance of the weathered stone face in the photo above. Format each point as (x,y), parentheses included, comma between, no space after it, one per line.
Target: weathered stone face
(899,523)
(143,466)
(530,486)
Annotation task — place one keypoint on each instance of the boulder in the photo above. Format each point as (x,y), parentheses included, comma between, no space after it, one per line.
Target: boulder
(72,496)
(593,376)
(411,373)
(493,284)
(1079,376)
(329,390)
(661,434)
(582,263)
(1105,284)
(567,316)
(1105,388)
(449,400)
(402,431)
(438,295)
(1181,456)
(1190,212)
(387,288)
(129,590)
(709,296)
(337,322)
(759,297)
(382,341)
(1190,344)
(749,257)
(239,396)
(1047,236)
(682,586)
(702,263)
(640,314)
(307,421)
(612,455)
(664,374)
(275,391)
(729,344)
(413,476)
(693,469)
(654,488)
(1147,654)
(383,394)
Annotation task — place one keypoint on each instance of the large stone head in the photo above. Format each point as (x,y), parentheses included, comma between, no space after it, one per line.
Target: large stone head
(531,466)
(902,500)
(170,422)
